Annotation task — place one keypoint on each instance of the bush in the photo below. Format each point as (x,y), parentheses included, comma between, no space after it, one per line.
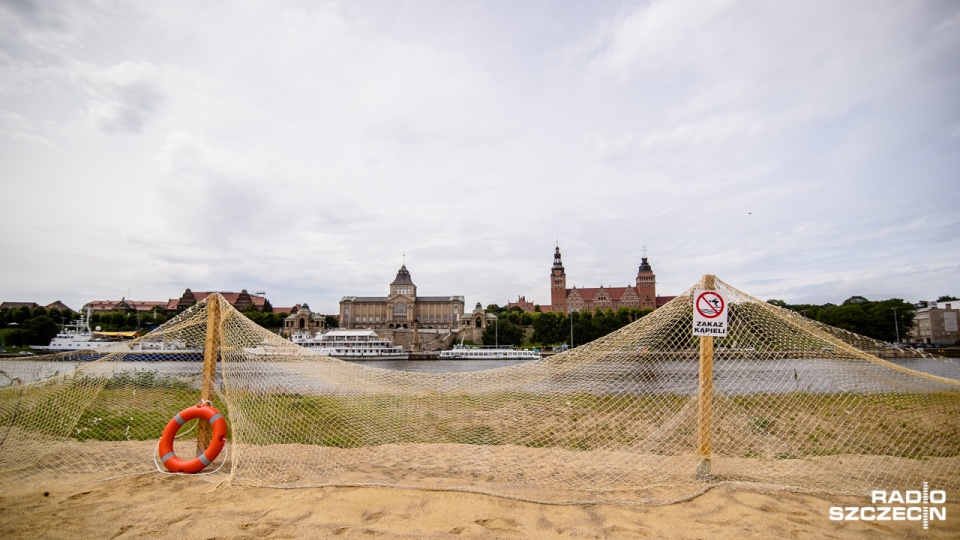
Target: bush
(39,330)
(13,337)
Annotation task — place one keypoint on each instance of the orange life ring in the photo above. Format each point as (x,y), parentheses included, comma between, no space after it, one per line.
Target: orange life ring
(197,464)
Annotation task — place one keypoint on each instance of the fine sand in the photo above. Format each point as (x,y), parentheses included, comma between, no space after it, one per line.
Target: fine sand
(165,506)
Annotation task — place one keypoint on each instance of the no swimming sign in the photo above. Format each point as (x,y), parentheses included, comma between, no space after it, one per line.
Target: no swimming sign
(709,314)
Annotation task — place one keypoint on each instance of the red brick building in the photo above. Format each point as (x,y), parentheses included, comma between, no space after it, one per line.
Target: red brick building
(522,304)
(240,300)
(32,305)
(642,295)
(140,306)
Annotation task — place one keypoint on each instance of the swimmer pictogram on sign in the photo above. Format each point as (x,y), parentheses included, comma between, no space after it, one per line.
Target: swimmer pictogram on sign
(709,314)
(710,304)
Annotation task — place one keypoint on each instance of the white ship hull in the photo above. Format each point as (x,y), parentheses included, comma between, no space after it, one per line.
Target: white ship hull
(362,355)
(77,337)
(353,345)
(488,354)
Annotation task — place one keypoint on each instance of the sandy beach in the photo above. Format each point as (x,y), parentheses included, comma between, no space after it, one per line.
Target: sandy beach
(162,506)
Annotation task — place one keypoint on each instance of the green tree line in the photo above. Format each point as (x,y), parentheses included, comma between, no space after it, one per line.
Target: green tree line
(880,319)
(274,321)
(514,325)
(24,326)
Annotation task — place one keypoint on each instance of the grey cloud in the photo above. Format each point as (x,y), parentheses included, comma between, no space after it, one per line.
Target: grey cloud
(334,142)
(37,14)
(125,96)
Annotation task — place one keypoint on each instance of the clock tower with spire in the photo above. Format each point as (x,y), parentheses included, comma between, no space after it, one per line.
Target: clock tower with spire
(642,295)
(558,284)
(646,285)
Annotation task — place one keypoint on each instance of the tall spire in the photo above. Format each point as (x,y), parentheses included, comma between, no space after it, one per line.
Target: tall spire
(403,277)
(558,283)
(646,283)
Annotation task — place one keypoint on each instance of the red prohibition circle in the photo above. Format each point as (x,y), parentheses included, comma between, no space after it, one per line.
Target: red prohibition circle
(716,312)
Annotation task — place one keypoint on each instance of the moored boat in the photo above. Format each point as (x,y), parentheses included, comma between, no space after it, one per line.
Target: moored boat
(78,337)
(460,352)
(352,345)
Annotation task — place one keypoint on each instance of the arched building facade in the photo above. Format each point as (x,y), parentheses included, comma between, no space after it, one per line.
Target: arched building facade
(479,318)
(303,321)
(402,308)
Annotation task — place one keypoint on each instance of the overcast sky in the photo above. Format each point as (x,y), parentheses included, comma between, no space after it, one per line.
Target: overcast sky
(801,150)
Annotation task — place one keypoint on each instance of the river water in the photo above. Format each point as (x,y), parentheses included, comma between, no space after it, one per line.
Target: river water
(680,376)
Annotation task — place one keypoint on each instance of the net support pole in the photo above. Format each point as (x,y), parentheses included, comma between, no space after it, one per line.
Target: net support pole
(705,398)
(210,354)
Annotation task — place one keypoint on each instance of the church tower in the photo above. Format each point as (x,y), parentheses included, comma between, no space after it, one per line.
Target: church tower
(647,286)
(558,284)
(403,284)
(401,304)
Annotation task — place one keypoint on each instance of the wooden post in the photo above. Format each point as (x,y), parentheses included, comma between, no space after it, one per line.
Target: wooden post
(705,411)
(211,350)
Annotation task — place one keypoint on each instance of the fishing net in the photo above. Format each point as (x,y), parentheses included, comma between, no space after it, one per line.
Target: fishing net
(791,404)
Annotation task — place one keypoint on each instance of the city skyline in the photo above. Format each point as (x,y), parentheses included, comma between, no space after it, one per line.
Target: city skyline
(807,152)
(532,299)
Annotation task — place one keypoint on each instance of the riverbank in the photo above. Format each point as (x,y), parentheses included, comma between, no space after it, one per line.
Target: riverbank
(163,506)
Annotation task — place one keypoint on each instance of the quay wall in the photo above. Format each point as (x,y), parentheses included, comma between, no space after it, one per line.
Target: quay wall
(429,339)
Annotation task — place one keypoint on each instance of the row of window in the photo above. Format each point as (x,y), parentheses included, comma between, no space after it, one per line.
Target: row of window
(600,303)
(425,318)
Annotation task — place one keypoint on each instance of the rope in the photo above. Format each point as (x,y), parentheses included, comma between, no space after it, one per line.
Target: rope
(156,449)
(16,412)
(156,452)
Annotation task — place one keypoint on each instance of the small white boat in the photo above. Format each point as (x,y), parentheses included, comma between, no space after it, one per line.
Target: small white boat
(352,345)
(77,336)
(269,350)
(459,352)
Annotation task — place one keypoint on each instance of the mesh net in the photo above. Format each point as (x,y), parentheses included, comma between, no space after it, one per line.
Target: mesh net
(795,405)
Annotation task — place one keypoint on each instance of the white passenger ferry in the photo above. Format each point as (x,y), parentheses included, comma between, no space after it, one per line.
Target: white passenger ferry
(460,352)
(77,336)
(352,345)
